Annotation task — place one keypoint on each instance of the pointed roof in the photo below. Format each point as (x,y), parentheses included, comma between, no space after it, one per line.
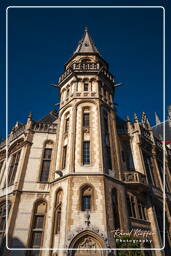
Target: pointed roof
(86,44)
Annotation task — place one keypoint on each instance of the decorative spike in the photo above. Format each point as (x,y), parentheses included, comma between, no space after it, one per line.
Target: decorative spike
(128,118)
(135,117)
(29,118)
(157,119)
(144,117)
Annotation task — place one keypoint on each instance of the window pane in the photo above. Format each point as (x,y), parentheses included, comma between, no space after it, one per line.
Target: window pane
(86,119)
(47,153)
(64,157)
(86,152)
(86,87)
(46,165)
(38,222)
(37,238)
(86,202)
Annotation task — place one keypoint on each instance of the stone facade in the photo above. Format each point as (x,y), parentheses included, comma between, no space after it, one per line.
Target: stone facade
(77,177)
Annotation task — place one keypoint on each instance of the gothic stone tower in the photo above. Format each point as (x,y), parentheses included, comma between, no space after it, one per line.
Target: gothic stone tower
(87,156)
(76,175)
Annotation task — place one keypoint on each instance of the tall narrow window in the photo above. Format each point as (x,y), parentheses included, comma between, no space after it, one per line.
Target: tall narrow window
(131,206)
(115,206)
(13,168)
(58,207)
(3,213)
(149,168)
(142,210)
(67,125)
(46,164)
(86,119)
(86,198)
(64,157)
(38,227)
(86,87)
(86,152)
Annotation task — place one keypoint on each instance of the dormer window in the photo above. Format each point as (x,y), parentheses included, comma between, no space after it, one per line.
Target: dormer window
(86,87)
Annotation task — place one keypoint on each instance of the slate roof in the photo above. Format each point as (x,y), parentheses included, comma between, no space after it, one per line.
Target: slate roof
(49,118)
(86,44)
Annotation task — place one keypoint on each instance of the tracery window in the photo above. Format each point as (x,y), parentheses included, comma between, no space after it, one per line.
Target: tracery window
(58,207)
(46,161)
(13,167)
(86,198)
(37,229)
(3,213)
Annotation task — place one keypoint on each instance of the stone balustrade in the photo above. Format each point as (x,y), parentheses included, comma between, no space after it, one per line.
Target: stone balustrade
(135,177)
(88,66)
(44,127)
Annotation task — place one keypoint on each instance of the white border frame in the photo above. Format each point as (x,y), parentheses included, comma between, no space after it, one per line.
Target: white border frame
(164,157)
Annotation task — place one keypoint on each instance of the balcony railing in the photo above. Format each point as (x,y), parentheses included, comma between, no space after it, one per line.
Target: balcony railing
(135,177)
(88,66)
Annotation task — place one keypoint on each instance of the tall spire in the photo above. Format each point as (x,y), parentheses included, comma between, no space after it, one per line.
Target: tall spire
(86,45)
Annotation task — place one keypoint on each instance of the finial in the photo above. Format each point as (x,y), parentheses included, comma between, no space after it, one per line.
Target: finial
(144,118)
(86,29)
(29,118)
(135,117)
(128,118)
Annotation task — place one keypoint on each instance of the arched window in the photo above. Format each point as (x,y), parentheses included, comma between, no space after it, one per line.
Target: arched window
(58,207)
(46,161)
(38,224)
(3,213)
(13,167)
(86,198)
(115,206)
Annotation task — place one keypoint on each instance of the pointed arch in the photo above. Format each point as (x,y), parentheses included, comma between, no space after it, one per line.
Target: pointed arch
(87,240)
(86,197)
(58,210)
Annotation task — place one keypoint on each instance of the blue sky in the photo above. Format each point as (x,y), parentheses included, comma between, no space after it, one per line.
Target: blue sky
(42,40)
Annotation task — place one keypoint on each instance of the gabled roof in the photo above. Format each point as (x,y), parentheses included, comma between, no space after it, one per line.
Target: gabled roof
(86,44)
